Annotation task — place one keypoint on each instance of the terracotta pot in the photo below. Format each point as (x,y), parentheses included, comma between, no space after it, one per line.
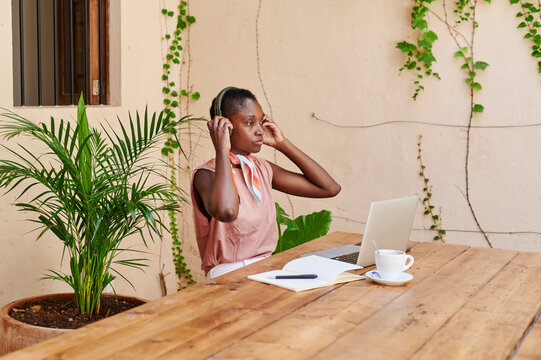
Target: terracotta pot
(16,335)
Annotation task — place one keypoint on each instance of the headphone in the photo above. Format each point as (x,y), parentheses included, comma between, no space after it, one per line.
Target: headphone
(218,100)
(218,103)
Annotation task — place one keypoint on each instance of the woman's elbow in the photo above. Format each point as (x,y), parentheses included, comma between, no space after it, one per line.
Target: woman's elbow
(331,190)
(334,190)
(226,215)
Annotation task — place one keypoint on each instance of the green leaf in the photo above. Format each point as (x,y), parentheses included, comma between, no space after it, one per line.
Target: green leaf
(430,36)
(184,93)
(459,54)
(282,218)
(478,108)
(521,25)
(181,23)
(420,24)
(476,86)
(427,58)
(481,65)
(472,74)
(196,95)
(85,159)
(513,2)
(406,47)
(309,227)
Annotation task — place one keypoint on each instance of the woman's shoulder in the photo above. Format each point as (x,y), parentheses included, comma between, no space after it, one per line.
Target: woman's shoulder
(209,165)
(263,164)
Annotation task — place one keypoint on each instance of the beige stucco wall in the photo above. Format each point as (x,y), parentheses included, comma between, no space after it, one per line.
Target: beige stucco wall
(335,59)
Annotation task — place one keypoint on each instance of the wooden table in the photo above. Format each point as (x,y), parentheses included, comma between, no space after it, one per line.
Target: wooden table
(463,303)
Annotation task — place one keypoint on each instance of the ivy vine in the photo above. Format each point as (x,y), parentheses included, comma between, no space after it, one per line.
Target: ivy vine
(465,12)
(173,93)
(420,57)
(427,198)
(530,15)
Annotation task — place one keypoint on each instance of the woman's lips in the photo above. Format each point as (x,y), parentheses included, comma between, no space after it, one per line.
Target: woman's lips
(259,142)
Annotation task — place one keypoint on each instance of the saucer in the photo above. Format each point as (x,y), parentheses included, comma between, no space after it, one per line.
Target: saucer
(402,279)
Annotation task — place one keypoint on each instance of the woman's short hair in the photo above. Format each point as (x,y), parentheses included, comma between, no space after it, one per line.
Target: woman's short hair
(232,102)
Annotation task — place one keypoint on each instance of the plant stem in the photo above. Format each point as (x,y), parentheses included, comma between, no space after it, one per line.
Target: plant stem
(468,137)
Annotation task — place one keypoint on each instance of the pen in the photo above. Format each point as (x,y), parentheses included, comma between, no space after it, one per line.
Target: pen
(303,276)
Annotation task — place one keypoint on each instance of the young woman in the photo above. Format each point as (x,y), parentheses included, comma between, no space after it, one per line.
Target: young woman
(235,219)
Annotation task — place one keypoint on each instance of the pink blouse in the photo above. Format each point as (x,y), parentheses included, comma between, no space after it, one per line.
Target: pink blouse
(254,232)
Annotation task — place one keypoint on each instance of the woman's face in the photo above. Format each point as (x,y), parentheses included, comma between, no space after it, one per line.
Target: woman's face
(247,136)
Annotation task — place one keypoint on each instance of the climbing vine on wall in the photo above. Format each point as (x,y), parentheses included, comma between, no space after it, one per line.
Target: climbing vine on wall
(462,29)
(420,57)
(172,95)
(530,16)
(429,209)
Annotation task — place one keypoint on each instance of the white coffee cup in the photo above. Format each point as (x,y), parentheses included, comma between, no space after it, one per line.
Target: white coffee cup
(391,263)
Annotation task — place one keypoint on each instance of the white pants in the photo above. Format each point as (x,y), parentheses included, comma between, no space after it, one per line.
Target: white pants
(228,267)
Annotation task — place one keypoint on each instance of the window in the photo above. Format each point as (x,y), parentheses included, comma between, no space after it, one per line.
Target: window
(60,50)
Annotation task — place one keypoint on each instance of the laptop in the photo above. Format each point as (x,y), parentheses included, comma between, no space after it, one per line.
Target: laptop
(389,225)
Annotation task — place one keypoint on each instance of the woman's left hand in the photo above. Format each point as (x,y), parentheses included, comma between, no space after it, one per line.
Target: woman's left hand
(271,134)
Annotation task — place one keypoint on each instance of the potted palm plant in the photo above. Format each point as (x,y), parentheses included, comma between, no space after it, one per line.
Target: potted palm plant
(91,189)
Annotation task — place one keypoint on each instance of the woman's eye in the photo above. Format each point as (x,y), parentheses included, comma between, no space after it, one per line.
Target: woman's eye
(250,123)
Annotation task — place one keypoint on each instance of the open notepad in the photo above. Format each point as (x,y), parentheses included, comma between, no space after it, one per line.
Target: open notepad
(328,272)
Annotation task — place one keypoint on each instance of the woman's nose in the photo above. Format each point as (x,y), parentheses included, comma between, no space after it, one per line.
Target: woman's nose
(259,130)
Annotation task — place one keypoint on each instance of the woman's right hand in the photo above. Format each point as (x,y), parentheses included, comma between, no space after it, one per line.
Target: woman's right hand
(219,133)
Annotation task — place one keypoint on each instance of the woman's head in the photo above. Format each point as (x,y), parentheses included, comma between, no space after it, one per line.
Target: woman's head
(232,101)
(247,117)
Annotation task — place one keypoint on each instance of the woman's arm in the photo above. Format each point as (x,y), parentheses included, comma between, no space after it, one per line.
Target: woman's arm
(314,181)
(218,190)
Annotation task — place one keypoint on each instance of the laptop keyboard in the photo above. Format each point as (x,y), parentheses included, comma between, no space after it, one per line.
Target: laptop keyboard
(349,258)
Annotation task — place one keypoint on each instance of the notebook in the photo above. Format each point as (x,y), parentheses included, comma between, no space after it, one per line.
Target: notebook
(389,225)
(327,272)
